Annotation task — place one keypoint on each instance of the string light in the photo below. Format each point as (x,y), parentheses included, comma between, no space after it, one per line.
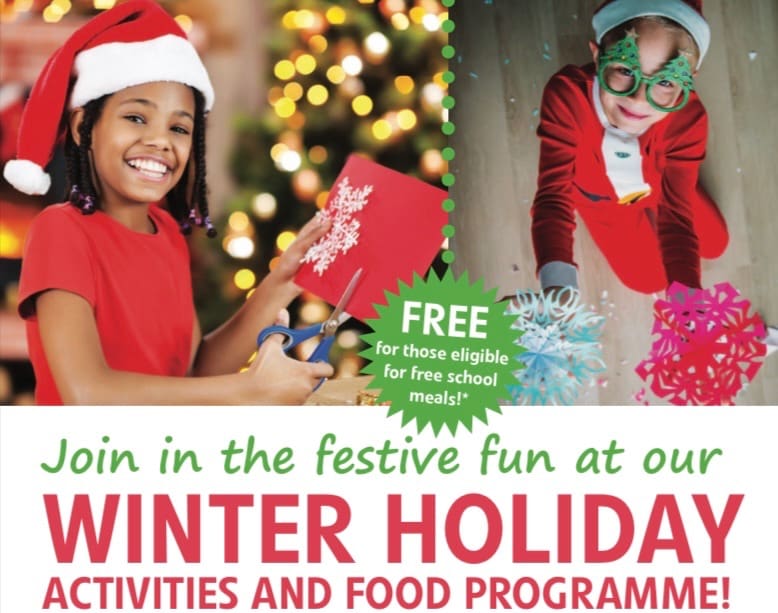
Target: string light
(400,21)
(377,44)
(284,70)
(185,21)
(317,154)
(305,184)
(264,205)
(406,119)
(321,199)
(404,84)
(362,105)
(336,74)
(381,129)
(241,247)
(304,19)
(432,164)
(432,93)
(431,22)
(313,310)
(348,339)
(417,14)
(336,15)
(317,43)
(285,107)
(277,149)
(10,244)
(293,90)
(296,121)
(352,65)
(393,6)
(288,20)
(104,4)
(285,239)
(52,14)
(352,87)
(305,64)
(318,95)
(244,279)
(289,161)
(238,221)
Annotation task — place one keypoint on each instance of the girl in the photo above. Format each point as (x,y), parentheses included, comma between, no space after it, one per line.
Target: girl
(621,144)
(105,286)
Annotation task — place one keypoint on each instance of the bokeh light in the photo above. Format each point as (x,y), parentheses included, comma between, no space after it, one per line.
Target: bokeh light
(404,84)
(362,105)
(239,221)
(284,70)
(336,74)
(318,95)
(244,279)
(352,65)
(241,247)
(305,64)
(264,205)
(317,154)
(285,239)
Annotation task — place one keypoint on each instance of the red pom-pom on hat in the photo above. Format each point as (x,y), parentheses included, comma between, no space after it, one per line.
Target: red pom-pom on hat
(686,13)
(133,43)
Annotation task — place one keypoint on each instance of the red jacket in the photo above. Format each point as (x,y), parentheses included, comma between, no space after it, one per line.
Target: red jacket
(572,174)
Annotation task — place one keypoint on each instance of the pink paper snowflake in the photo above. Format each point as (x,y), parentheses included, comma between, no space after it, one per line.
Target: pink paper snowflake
(708,347)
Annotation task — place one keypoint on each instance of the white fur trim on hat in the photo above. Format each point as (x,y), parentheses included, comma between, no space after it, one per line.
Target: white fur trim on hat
(111,67)
(620,11)
(27,177)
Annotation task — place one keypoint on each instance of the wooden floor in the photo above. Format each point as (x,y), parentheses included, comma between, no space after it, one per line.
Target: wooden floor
(505,52)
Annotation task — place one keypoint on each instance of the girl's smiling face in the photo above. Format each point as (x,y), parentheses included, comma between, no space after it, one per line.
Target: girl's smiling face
(141,143)
(657,45)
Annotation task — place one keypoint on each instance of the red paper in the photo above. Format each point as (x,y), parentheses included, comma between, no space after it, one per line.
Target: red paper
(709,346)
(385,222)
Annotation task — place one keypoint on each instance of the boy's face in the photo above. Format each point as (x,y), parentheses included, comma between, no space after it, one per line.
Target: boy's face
(141,143)
(633,114)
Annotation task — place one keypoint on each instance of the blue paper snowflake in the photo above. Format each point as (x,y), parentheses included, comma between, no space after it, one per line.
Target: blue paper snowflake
(562,350)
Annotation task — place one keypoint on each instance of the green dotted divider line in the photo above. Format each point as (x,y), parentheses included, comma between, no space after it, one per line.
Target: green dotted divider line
(448,128)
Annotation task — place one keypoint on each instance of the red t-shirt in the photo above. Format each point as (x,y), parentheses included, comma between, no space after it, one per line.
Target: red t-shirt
(138,285)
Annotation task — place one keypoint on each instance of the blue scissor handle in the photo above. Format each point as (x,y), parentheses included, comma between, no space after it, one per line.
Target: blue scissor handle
(322,351)
(293,336)
(296,336)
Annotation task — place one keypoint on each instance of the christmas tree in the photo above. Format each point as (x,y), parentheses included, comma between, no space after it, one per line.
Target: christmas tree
(350,77)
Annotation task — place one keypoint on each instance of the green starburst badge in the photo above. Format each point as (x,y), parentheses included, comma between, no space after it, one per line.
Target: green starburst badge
(442,352)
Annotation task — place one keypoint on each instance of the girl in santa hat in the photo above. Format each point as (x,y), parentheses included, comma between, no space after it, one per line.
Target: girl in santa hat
(622,141)
(105,286)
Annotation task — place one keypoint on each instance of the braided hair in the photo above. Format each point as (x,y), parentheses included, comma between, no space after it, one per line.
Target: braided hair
(187,201)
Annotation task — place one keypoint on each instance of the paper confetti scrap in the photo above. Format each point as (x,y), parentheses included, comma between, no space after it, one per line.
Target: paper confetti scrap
(752,55)
(562,349)
(708,346)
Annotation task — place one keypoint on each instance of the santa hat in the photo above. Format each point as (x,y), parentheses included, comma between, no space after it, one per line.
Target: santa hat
(686,13)
(133,43)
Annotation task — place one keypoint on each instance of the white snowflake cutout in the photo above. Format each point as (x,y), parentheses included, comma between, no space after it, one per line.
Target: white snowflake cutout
(344,233)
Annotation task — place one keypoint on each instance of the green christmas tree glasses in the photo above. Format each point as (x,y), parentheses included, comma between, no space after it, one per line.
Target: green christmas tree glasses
(619,73)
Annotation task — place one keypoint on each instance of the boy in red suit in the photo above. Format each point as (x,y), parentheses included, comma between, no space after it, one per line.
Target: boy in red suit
(622,141)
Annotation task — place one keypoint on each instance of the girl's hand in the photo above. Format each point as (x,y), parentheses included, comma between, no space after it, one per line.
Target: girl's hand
(290,260)
(275,378)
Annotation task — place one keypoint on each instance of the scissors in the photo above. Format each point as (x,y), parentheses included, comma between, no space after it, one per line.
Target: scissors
(326,329)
